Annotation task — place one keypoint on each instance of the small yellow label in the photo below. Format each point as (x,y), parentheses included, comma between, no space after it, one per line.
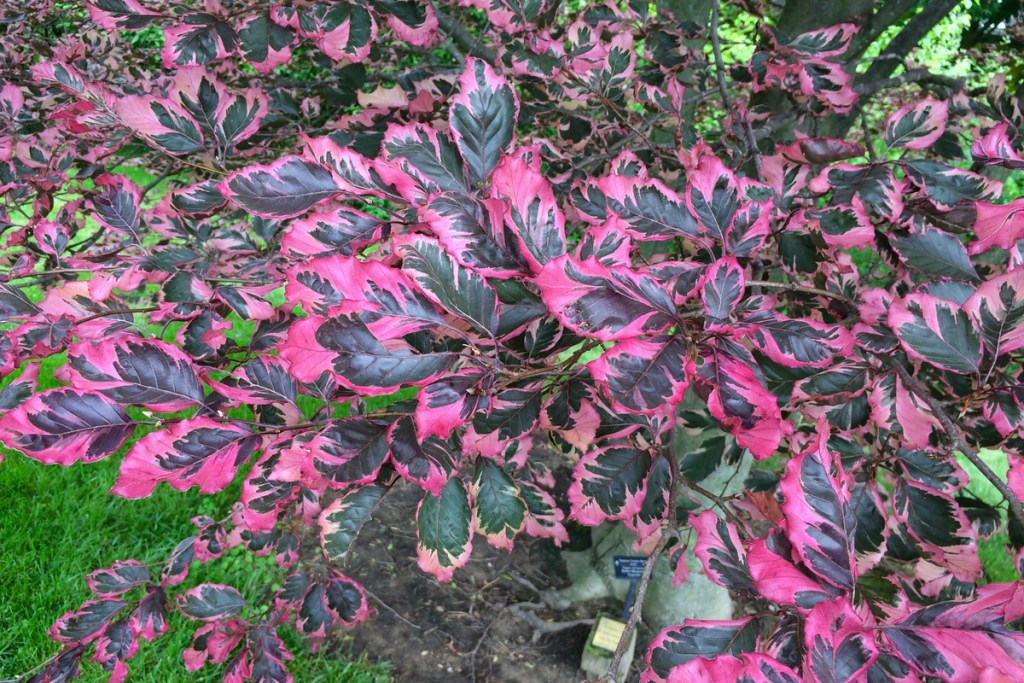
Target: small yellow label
(607,634)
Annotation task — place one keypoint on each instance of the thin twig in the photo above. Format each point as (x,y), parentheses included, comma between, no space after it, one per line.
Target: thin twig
(390,609)
(476,649)
(118,311)
(959,441)
(168,170)
(868,145)
(716,46)
(463,38)
(799,288)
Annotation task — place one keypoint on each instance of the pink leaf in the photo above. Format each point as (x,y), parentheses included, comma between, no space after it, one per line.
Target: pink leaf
(341,32)
(265,44)
(386,298)
(340,230)
(429,461)
(609,483)
(350,452)
(136,371)
(721,552)
(285,188)
(200,38)
(798,342)
(121,14)
(532,214)
(604,303)
(214,643)
(996,308)
(937,331)
(824,42)
(87,623)
(721,289)
(543,516)
(483,117)
(957,641)
(161,123)
(740,403)
(918,126)
(776,578)
(749,666)
(820,518)
(61,426)
(999,225)
(645,376)
(839,648)
(117,204)
(194,452)
(119,578)
(996,148)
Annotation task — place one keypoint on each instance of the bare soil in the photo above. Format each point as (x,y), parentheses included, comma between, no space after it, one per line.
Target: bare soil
(473,629)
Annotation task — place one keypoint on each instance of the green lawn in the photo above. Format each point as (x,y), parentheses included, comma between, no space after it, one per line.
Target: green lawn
(59,524)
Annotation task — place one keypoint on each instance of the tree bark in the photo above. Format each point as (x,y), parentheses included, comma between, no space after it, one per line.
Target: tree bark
(800,16)
(907,39)
(888,14)
(696,11)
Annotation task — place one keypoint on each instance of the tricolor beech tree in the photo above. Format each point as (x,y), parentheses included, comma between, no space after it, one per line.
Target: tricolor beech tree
(533,230)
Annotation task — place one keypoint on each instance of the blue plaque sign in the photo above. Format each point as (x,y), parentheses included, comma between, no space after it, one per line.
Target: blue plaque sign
(629,567)
(632,568)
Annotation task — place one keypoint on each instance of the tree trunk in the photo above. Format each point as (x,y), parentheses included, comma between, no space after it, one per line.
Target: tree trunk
(800,16)
(907,39)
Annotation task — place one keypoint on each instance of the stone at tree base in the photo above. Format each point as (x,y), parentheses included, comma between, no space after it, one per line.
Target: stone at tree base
(596,659)
(593,577)
(592,571)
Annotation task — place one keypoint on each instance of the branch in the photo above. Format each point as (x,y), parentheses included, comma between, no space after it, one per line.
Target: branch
(716,45)
(909,36)
(960,442)
(870,87)
(885,16)
(464,39)
(799,288)
(118,311)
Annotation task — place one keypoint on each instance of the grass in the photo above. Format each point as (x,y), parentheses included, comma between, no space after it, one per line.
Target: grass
(995,560)
(60,523)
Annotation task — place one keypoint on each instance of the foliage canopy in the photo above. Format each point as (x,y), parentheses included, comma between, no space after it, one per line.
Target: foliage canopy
(454,250)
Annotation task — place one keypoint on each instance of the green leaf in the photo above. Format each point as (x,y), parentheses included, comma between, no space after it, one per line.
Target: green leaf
(460,290)
(444,526)
(341,521)
(935,253)
(500,511)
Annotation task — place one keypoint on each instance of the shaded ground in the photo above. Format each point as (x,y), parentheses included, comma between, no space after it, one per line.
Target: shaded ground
(471,629)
